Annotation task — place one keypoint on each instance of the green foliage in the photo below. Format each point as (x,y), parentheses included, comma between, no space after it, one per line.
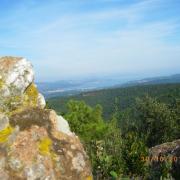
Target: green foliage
(155,121)
(141,118)
(176,110)
(107,152)
(87,122)
(161,170)
(102,140)
(125,97)
(114,174)
(133,150)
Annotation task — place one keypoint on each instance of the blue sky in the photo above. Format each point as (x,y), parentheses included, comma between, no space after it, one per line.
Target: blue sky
(65,39)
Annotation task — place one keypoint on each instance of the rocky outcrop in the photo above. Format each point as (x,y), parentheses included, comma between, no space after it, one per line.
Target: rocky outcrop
(35,143)
(17,88)
(166,157)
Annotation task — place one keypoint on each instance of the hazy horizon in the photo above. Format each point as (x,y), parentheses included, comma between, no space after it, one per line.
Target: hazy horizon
(84,39)
(117,78)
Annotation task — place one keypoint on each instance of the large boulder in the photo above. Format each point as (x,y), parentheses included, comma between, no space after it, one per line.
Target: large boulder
(35,143)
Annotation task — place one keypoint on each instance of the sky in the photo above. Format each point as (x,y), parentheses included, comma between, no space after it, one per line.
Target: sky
(68,39)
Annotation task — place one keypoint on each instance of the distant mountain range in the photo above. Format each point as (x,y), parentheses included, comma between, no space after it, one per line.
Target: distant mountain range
(155,80)
(67,88)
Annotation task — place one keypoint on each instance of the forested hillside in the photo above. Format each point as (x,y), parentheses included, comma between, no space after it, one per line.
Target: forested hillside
(119,126)
(120,97)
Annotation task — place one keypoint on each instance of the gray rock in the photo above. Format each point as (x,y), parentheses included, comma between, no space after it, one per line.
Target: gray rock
(16,76)
(16,72)
(15,164)
(4,175)
(40,144)
(63,126)
(37,171)
(4,121)
(2,162)
(41,101)
(78,162)
(13,135)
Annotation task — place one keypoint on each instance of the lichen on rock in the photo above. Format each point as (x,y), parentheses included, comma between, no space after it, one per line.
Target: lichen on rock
(5,133)
(35,143)
(1,83)
(17,88)
(31,95)
(45,146)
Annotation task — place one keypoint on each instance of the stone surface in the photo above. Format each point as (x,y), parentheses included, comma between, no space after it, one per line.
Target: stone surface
(17,88)
(39,138)
(17,72)
(35,143)
(41,101)
(166,153)
(4,121)
(63,126)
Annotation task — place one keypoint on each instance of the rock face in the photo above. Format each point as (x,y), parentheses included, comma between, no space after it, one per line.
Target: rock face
(35,143)
(16,85)
(166,154)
